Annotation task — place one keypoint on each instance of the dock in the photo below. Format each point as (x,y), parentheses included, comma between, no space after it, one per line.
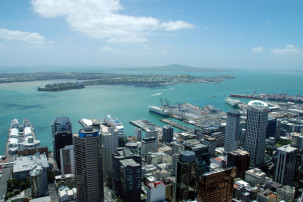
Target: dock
(144,125)
(177,125)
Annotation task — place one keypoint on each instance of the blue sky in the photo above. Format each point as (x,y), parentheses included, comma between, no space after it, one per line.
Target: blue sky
(123,33)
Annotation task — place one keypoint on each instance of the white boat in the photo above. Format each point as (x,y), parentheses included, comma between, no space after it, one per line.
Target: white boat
(113,122)
(158,110)
(232,102)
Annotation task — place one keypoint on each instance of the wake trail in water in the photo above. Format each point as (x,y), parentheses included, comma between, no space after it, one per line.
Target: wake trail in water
(143,98)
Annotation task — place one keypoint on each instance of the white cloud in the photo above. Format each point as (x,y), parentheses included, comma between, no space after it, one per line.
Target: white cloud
(288,50)
(100,19)
(258,49)
(106,49)
(31,38)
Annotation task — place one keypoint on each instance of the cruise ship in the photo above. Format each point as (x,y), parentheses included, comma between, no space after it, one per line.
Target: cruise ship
(113,122)
(158,110)
(232,102)
(21,136)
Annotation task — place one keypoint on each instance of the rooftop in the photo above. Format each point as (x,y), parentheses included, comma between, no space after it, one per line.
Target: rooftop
(129,162)
(154,184)
(28,163)
(257,104)
(287,148)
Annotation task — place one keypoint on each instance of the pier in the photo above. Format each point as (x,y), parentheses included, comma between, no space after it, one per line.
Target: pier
(282,97)
(144,125)
(177,125)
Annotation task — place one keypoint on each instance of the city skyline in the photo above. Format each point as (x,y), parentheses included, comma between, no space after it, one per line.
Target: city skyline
(69,34)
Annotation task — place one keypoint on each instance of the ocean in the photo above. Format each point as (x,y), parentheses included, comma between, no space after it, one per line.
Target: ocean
(127,103)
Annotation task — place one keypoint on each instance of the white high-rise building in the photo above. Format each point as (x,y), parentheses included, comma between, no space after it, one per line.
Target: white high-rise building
(151,132)
(232,131)
(286,165)
(108,149)
(67,160)
(138,134)
(155,191)
(256,123)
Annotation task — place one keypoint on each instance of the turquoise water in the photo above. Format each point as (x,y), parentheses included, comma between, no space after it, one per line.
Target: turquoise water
(22,100)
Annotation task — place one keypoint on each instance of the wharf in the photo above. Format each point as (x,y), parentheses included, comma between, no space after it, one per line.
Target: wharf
(282,97)
(144,125)
(177,125)
(206,118)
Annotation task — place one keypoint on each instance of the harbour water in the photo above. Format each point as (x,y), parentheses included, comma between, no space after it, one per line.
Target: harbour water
(22,100)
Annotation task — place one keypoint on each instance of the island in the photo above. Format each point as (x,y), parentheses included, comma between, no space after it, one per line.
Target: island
(79,80)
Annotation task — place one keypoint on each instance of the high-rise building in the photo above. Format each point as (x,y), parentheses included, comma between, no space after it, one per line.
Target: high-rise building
(167,134)
(148,145)
(121,154)
(155,191)
(138,134)
(61,136)
(185,188)
(240,160)
(232,131)
(88,165)
(67,160)
(151,132)
(108,149)
(217,186)
(202,158)
(38,178)
(286,165)
(271,127)
(256,123)
(130,174)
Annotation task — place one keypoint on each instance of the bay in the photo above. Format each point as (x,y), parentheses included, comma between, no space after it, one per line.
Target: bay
(22,100)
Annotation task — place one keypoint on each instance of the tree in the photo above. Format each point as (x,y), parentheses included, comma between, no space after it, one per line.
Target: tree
(12,184)
(50,176)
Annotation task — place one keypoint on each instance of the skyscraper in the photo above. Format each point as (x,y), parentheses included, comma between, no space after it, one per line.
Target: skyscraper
(61,136)
(202,158)
(240,160)
(256,123)
(217,186)
(186,176)
(232,131)
(138,134)
(148,145)
(108,149)
(131,173)
(121,154)
(67,160)
(88,165)
(167,134)
(286,165)
(38,181)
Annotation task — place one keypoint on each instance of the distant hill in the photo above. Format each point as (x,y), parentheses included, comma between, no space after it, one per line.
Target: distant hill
(178,68)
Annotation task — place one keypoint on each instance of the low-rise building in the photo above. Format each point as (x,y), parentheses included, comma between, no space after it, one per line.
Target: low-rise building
(286,193)
(24,164)
(255,176)
(267,196)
